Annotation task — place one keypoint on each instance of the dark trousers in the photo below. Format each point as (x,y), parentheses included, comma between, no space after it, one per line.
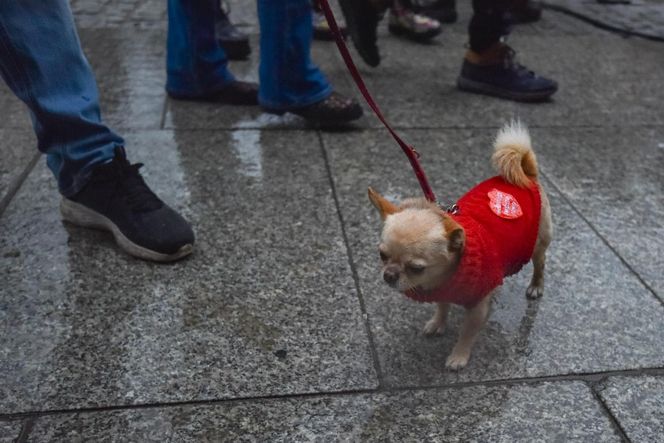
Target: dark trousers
(490,22)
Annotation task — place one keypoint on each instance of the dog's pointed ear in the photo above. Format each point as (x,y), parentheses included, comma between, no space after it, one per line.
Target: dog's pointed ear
(384,207)
(456,237)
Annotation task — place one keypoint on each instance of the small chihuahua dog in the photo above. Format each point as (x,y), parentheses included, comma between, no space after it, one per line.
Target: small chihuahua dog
(460,256)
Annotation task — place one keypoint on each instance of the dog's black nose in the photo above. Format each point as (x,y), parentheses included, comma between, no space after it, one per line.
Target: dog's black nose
(391,277)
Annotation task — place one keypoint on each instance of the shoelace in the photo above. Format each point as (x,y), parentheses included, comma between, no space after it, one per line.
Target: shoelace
(132,187)
(509,62)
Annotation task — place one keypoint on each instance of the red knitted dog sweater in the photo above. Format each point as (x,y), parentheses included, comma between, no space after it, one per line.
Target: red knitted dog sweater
(501,222)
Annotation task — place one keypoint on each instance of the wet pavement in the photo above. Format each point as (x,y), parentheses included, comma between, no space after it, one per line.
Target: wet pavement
(278,328)
(643,18)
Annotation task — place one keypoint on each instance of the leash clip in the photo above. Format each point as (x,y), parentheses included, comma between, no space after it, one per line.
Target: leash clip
(451,209)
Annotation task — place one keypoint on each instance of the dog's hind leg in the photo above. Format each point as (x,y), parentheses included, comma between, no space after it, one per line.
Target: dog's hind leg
(437,323)
(470,329)
(544,235)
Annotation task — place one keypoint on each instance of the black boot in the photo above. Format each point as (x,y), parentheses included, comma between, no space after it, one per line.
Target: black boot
(362,18)
(235,42)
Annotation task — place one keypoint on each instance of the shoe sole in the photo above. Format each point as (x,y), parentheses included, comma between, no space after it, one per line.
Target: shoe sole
(482,88)
(322,122)
(80,215)
(420,38)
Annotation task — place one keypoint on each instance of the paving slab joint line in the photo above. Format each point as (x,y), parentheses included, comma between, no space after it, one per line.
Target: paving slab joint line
(359,130)
(595,388)
(13,188)
(603,239)
(582,377)
(600,24)
(26,429)
(351,264)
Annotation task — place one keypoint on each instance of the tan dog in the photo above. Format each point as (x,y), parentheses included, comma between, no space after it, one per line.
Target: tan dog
(431,255)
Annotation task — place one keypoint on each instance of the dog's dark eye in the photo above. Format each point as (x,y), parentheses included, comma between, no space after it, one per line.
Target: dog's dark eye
(383,256)
(415,269)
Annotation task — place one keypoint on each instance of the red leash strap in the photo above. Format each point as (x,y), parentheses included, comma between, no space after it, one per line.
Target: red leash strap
(410,152)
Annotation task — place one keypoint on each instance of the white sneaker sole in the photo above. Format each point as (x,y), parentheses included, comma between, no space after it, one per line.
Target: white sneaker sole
(80,215)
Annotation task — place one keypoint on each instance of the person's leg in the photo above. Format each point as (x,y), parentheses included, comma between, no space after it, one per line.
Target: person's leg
(42,63)
(489,23)
(196,64)
(490,67)
(288,77)
(289,80)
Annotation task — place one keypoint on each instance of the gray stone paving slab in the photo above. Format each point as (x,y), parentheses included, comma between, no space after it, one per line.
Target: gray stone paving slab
(17,148)
(119,13)
(595,315)
(130,67)
(615,177)
(9,431)
(636,402)
(266,305)
(643,17)
(545,412)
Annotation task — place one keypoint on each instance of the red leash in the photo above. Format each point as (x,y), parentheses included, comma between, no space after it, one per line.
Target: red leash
(410,152)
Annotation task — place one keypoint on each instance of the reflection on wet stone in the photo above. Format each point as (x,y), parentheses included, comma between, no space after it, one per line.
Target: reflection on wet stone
(267,306)
(94,327)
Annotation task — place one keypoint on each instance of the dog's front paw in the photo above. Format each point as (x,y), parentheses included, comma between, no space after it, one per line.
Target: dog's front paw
(457,360)
(433,326)
(534,291)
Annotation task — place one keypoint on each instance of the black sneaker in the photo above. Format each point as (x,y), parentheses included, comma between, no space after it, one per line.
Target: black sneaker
(235,42)
(116,199)
(508,80)
(362,18)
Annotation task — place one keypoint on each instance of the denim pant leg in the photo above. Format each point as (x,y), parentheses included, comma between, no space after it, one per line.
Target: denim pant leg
(288,77)
(43,64)
(490,22)
(196,64)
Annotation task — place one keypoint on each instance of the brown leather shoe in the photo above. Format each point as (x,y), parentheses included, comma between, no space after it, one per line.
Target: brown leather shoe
(235,93)
(334,110)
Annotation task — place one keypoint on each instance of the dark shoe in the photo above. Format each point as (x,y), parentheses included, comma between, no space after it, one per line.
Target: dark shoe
(236,93)
(442,10)
(116,199)
(322,30)
(362,19)
(526,11)
(507,79)
(235,42)
(332,111)
(405,23)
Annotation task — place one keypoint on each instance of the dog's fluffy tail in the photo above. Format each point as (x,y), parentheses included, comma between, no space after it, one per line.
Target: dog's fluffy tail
(513,157)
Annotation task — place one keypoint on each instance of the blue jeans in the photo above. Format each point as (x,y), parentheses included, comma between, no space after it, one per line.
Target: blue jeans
(43,64)
(197,65)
